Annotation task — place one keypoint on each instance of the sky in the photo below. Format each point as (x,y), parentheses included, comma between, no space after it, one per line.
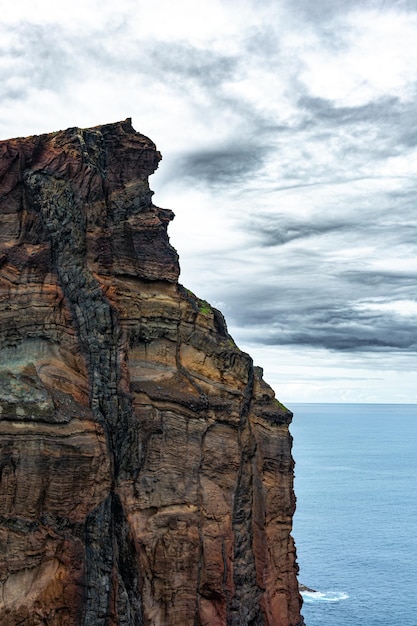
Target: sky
(288,130)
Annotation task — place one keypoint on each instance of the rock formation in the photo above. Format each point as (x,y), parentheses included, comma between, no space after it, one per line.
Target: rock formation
(146,470)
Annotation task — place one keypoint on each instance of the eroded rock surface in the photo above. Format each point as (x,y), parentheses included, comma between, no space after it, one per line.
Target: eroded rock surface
(145,466)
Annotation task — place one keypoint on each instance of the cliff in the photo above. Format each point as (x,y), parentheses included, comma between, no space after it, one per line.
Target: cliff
(145,466)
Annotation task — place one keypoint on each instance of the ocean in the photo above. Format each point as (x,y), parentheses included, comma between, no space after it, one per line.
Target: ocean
(356,519)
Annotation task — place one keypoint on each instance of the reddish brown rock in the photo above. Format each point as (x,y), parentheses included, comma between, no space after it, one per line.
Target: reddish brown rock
(146,469)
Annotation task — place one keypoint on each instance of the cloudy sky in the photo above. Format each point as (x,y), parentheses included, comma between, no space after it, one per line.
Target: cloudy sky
(289,135)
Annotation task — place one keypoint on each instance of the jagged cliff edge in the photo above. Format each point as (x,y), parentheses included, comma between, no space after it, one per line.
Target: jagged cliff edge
(146,470)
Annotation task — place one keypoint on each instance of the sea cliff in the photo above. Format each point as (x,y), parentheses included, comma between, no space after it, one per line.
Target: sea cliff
(146,475)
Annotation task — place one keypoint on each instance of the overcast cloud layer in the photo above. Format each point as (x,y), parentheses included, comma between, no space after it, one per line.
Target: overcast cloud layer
(289,135)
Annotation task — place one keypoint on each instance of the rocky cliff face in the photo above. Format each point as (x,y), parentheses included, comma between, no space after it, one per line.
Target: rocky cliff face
(146,471)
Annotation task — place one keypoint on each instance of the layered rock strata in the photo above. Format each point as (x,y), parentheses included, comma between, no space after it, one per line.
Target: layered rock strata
(145,466)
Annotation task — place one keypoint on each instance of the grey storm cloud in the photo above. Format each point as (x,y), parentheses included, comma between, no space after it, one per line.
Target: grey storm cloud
(277,232)
(321,11)
(303,298)
(303,318)
(395,122)
(379,111)
(378,226)
(230,164)
(392,280)
(186,62)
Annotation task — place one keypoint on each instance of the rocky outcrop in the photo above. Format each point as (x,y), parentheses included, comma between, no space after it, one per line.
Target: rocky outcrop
(146,470)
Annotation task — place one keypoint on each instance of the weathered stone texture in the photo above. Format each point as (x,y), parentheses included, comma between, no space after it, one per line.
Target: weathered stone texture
(146,475)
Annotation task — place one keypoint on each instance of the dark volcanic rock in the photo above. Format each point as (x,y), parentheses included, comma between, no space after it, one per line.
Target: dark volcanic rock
(146,470)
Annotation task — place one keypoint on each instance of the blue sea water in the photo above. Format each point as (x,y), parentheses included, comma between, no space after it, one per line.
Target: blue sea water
(356,521)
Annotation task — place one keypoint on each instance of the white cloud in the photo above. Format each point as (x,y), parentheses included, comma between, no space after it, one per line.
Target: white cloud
(92,13)
(406,308)
(375,57)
